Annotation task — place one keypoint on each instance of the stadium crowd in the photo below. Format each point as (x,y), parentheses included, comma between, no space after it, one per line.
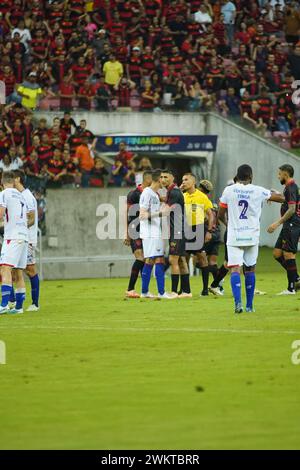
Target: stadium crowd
(61,155)
(239,58)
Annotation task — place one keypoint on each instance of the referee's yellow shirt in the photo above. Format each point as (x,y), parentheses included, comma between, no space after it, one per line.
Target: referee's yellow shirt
(196,206)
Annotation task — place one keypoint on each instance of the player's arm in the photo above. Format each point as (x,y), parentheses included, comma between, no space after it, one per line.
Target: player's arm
(128,205)
(145,214)
(30,218)
(289,213)
(2,212)
(210,224)
(222,214)
(277,197)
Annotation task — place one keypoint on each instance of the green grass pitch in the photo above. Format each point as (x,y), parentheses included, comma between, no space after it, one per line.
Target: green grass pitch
(94,371)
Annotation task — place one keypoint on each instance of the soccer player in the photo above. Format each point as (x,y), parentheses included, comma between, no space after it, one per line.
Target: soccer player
(243,203)
(197,208)
(31,269)
(212,247)
(287,243)
(151,235)
(177,259)
(133,229)
(13,208)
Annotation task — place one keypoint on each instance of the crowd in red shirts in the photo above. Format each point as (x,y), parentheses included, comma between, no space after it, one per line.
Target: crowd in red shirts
(240,57)
(61,154)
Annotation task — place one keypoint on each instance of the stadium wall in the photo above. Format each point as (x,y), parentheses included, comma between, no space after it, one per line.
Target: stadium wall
(137,123)
(72,248)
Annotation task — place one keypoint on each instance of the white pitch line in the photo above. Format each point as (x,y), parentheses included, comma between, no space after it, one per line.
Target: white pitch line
(151,330)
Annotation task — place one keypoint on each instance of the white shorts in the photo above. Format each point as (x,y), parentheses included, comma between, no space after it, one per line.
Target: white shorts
(14,253)
(239,255)
(31,255)
(153,247)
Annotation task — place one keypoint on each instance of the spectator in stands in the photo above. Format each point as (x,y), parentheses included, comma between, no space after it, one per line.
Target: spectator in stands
(30,91)
(71,169)
(113,71)
(124,155)
(144,164)
(130,176)
(254,118)
(85,159)
(5,163)
(85,96)
(123,91)
(98,172)
(67,123)
(181,96)
(119,171)
(55,170)
(67,93)
(204,14)
(16,161)
(294,59)
(295,136)
(149,97)
(103,96)
(229,11)
(292,23)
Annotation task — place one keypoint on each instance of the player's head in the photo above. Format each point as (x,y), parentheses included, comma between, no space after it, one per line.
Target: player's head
(147,178)
(188,182)
(167,178)
(285,172)
(19,178)
(8,179)
(206,186)
(156,177)
(244,174)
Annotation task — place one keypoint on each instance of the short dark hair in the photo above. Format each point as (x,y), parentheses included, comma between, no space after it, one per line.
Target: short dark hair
(147,173)
(190,174)
(169,172)
(8,177)
(21,175)
(156,174)
(288,169)
(244,173)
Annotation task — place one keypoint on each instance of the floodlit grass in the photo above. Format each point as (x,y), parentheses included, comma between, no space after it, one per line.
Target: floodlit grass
(94,371)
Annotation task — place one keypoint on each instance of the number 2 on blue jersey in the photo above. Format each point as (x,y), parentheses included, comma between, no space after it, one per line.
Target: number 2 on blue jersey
(245,205)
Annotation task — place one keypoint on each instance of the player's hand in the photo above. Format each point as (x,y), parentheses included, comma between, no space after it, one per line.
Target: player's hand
(272,227)
(127,241)
(165,210)
(144,215)
(208,237)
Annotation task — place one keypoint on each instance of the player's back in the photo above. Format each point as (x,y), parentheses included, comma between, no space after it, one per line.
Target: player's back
(244,205)
(15,218)
(149,201)
(31,203)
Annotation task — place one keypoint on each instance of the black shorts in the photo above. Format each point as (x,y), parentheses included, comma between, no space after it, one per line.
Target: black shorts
(177,247)
(288,238)
(136,245)
(212,247)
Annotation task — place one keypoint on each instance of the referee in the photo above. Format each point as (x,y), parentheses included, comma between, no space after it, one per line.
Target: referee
(197,208)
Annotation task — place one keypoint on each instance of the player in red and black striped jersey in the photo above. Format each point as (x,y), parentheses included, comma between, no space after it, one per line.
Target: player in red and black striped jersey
(133,230)
(177,259)
(287,243)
